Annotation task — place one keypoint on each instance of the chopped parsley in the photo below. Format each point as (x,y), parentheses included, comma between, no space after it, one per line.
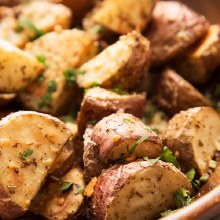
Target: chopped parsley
(128,120)
(42,59)
(65,186)
(78,189)
(165,213)
(191,174)
(70,75)
(27,24)
(27,153)
(40,78)
(47,98)
(118,90)
(152,161)
(94,84)
(182,198)
(138,142)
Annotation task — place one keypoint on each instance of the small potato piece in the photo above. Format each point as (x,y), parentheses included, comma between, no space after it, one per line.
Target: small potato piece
(28,20)
(174,27)
(194,137)
(17,68)
(99,103)
(138,190)
(54,203)
(122,64)
(30,142)
(122,16)
(201,60)
(6,98)
(57,88)
(174,94)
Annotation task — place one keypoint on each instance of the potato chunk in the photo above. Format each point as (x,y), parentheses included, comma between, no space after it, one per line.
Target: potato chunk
(201,60)
(116,138)
(29,21)
(174,94)
(61,198)
(194,137)
(56,89)
(122,16)
(137,190)
(30,142)
(173,28)
(122,64)
(17,68)
(99,103)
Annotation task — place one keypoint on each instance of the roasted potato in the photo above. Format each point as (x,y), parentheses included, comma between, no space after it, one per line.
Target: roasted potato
(6,98)
(174,94)
(122,16)
(61,198)
(126,63)
(193,136)
(99,103)
(17,68)
(30,142)
(199,62)
(56,88)
(32,20)
(138,190)
(174,27)
(116,138)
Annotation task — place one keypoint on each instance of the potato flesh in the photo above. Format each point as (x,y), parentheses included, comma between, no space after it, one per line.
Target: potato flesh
(123,16)
(47,203)
(14,60)
(28,131)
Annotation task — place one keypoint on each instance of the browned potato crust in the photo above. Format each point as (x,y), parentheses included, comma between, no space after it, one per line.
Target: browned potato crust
(199,62)
(99,103)
(30,142)
(54,203)
(123,64)
(174,94)
(137,190)
(173,28)
(193,136)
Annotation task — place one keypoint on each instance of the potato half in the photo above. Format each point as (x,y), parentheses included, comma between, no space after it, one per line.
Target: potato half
(199,62)
(17,68)
(122,16)
(122,64)
(174,27)
(138,190)
(194,137)
(30,142)
(174,94)
(99,103)
(62,198)
(56,89)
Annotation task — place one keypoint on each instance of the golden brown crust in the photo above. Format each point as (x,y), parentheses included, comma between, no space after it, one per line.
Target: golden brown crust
(99,103)
(174,94)
(173,28)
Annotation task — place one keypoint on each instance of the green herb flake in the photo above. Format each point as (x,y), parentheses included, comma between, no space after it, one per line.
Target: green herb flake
(94,84)
(167,156)
(152,161)
(204,179)
(191,174)
(78,189)
(52,86)
(182,198)
(65,186)
(70,75)
(128,120)
(163,214)
(40,78)
(27,24)
(133,148)
(27,153)
(41,59)
(118,90)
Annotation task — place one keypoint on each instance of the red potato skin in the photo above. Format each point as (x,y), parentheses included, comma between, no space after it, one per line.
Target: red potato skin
(113,127)
(174,94)
(174,27)
(95,108)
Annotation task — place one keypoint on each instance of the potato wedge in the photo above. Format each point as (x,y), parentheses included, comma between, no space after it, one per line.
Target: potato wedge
(194,137)
(30,142)
(6,98)
(61,198)
(138,190)
(116,138)
(199,62)
(126,63)
(174,94)
(122,16)
(99,103)
(174,27)
(56,90)
(27,22)
(17,68)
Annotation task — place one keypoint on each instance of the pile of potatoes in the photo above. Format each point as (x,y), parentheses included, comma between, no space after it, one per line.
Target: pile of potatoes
(109,108)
